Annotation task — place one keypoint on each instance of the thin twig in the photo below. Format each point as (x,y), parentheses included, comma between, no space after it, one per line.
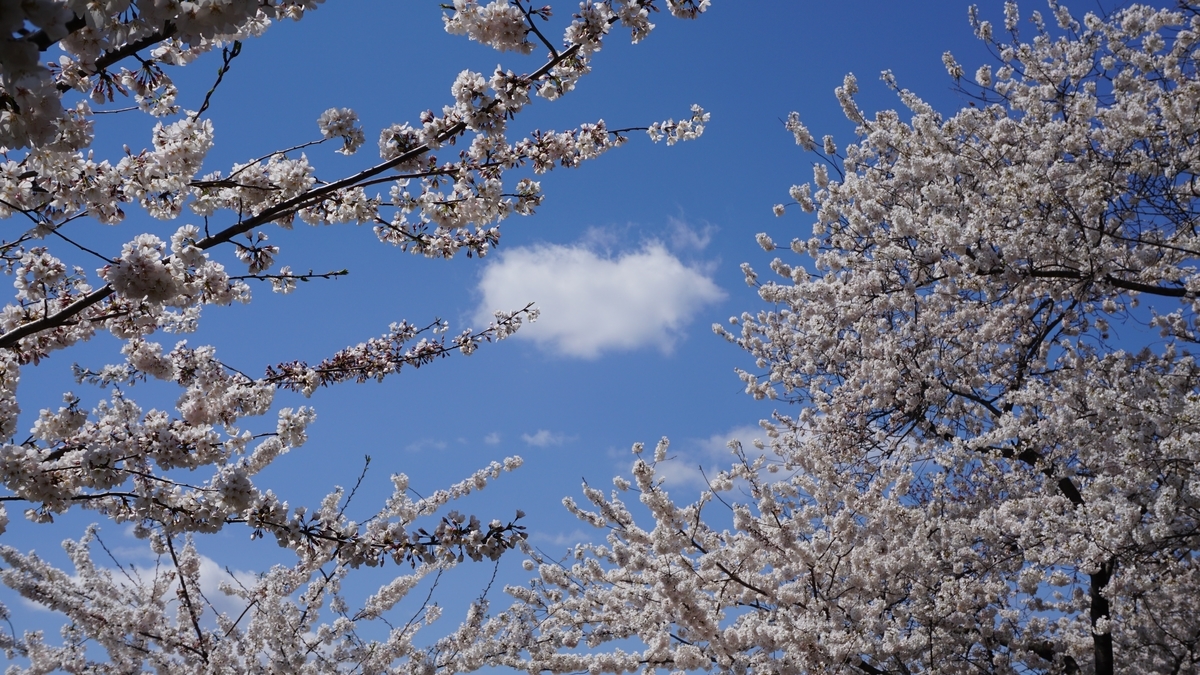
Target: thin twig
(79,246)
(295,277)
(228,54)
(534,29)
(113,112)
(357,483)
(187,599)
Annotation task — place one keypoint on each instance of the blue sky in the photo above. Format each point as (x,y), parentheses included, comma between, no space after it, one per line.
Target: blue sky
(632,256)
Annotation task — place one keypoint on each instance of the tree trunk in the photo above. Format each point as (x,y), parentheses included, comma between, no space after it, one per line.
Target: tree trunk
(1102,644)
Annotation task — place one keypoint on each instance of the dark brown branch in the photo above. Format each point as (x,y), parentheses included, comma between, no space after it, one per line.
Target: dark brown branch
(109,58)
(534,29)
(42,39)
(187,600)
(1032,457)
(1102,643)
(1070,667)
(733,576)
(294,277)
(1150,289)
(868,668)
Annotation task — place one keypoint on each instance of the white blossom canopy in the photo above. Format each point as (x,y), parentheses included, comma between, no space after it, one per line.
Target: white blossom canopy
(993,468)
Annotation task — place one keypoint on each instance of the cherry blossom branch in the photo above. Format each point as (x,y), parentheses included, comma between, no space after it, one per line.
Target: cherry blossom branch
(111,57)
(315,195)
(529,14)
(292,277)
(379,357)
(1124,284)
(44,41)
(185,597)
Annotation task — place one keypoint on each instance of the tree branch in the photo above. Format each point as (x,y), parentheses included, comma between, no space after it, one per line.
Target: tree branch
(12,337)
(187,600)
(109,58)
(42,39)
(1150,289)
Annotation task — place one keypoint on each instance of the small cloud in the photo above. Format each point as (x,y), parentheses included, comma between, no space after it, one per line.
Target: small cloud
(593,302)
(684,237)
(492,438)
(426,444)
(544,438)
(707,456)
(576,536)
(684,471)
(717,445)
(213,575)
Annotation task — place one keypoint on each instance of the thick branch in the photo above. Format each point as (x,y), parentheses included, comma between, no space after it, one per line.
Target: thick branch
(1102,643)
(10,339)
(868,668)
(1031,457)
(42,39)
(111,57)
(1150,289)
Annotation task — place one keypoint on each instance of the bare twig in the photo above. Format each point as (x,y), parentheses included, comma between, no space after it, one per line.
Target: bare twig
(228,54)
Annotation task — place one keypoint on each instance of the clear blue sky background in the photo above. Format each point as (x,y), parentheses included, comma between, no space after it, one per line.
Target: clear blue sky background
(748,62)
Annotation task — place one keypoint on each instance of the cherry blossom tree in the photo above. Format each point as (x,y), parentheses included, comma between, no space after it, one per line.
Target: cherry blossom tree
(172,472)
(993,467)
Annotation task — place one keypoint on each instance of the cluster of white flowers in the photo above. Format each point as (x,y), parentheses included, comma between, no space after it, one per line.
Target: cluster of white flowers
(683,130)
(981,477)
(342,123)
(194,467)
(499,24)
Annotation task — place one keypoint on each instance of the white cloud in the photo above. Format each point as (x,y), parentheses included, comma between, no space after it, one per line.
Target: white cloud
(570,539)
(687,468)
(591,302)
(717,445)
(492,438)
(212,576)
(544,438)
(426,444)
